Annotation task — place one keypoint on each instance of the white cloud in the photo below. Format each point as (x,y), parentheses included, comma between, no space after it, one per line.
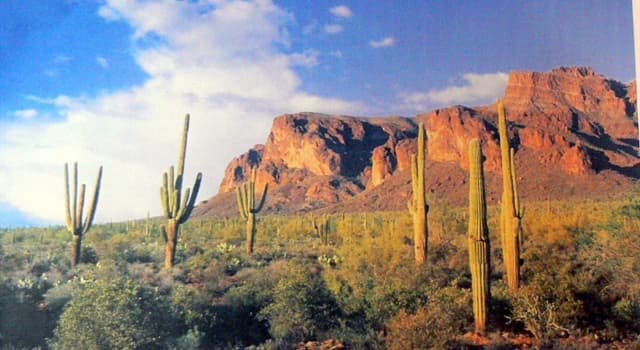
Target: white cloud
(477,89)
(307,58)
(224,66)
(337,53)
(385,42)
(102,62)
(26,113)
(341,11)
(333,28)
(60,59)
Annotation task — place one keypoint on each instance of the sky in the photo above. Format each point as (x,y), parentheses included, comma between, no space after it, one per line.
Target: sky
(109,82)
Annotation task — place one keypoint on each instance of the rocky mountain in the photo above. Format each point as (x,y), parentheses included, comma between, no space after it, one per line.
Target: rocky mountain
(574,132)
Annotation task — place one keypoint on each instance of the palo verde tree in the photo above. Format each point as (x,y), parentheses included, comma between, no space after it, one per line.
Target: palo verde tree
(479,246)
(511,210)
(418,203)
(74,221)
(176,206)
(246,196)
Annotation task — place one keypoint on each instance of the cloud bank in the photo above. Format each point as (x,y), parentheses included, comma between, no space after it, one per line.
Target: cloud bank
(476,89)
(225,63)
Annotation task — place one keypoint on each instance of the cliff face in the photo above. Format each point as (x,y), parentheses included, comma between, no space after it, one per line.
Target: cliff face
(574,132)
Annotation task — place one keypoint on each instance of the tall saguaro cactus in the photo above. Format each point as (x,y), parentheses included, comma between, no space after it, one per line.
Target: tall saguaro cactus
(418,203)
(479,245)
(246,196)
(321,225)
(511,210)
(74,221)
(176,206)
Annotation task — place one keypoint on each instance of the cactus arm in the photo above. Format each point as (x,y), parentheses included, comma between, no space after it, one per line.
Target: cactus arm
(414,176)
(183,148)
(411,204)
(66,198)
(240,200)
(514,182)
(94,203)
(74,219)
(263,199)
(421,165)
(252,190)
(507,183)
(164,196)
(80,207)
(178,194)
(192,200)
(172,191)
(183,205)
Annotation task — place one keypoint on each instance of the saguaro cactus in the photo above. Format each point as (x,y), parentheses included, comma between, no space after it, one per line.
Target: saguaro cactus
(418,203)
(479,246)
(177,207)
(511,211)
(321,225)
(74,221)
(246,196)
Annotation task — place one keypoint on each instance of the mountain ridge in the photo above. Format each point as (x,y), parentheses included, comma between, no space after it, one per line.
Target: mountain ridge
(573,130)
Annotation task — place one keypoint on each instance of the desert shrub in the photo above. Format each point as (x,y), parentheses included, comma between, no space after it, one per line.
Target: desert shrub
(303,308)
(192,340)
(433,326)
(237,320)
(626,314)
(539,316)
(552,273)
(89,255)
(22,322)
(114,314)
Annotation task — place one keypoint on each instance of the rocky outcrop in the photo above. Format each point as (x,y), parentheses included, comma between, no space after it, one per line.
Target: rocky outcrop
(571,128)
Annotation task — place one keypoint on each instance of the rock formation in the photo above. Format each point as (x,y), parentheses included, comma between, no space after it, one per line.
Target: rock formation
(574,132)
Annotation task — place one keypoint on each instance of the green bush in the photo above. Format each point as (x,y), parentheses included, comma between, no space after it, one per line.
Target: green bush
(303,308)
(115,314)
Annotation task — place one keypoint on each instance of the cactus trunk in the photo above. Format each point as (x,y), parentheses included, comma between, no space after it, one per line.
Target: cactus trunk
(76,250)
(418,203)
(171,243)
(511,212)
(479,245)
(251,232)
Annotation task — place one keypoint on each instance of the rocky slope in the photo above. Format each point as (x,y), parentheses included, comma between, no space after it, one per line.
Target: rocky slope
(574,132)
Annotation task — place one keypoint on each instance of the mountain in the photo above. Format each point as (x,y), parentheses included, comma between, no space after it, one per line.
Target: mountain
(574,132)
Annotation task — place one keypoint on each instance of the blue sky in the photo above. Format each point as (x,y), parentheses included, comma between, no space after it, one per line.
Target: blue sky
(108,82)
